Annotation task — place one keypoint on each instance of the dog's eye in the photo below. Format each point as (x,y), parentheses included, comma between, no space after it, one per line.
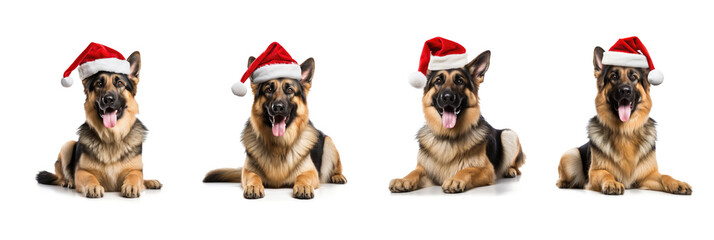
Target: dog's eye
(290,91)
(269,90)
(438,80)
(633,77)
(613,76)
(119,84)
(99,84)
(459,80)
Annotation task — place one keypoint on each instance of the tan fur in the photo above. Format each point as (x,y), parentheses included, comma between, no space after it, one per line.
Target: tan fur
(625,156)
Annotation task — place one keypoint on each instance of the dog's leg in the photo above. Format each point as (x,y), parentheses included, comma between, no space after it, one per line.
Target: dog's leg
(330,154)
(603,181)
(252,184)
(413,181)
(570,170)
(87,184)
(513,157)
(133,184)
(468,178)
(305,185)
(665,183)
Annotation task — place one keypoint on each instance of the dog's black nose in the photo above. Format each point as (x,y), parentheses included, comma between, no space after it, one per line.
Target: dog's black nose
(278,107)
(108,99)
(448,98)
(625,90)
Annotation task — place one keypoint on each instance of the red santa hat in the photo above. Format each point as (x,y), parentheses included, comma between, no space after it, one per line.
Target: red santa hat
(95,58)
(273,63)
(438,54)
(630,52)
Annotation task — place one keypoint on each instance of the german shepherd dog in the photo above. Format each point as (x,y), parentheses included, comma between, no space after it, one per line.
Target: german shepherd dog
(107,156)
(283,148)
(621,150)
(458,149)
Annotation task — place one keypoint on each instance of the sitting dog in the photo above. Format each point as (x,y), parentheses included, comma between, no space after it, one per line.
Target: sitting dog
(283,148)
(107,156)
(621,150)
(458,149)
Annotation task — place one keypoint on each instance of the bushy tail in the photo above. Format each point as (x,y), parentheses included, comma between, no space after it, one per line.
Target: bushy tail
(45,177)
(224,175)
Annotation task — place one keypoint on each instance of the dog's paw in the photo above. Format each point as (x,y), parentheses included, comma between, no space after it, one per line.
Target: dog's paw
(562,184)
(67,183)
(254,191)
(130,191)
(677,187)
(303,192)
(613,188)
(94,191)
(338,178)
(453,186)
(402,185)
(152,184)
(511,172)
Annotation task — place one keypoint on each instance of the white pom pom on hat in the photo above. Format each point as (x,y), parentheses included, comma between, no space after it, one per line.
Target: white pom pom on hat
(417,79)
(67,81)
(239,89)
(655,77)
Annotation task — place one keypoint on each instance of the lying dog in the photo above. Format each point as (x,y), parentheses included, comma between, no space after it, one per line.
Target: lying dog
(283,148)
(458,149)
(621,150)
(107,156)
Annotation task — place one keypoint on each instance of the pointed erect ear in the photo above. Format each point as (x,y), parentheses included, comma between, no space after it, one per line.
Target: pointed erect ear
(135,63)
(597,59)
(308,69)
(478,67)
(250,60)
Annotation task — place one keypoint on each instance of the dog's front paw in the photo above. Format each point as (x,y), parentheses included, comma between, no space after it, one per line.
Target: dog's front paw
(338,178)
(94,191)
(511,172)
(130,191)
(254,191)
(152,184)
(402,185)
(303,192)
(677,187)
(67,183)
(613,188)
(453,186)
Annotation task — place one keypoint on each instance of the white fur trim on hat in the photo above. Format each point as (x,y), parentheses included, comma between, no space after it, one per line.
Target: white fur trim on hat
(655,77)
(448,61)
(417,79)
(114,65)
(67,82)
(273,71)
(239,89)
(624,59)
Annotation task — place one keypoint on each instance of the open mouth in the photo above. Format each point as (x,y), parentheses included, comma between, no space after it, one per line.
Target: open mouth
(110,115)
(448,116)
(279,122)
(625,107)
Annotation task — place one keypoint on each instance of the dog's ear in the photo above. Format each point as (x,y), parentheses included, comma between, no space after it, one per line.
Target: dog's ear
(135,63)
(308,69)
(478,67)
(597,61)
(250,60)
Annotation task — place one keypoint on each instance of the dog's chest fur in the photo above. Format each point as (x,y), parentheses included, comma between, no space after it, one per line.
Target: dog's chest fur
(442,157)
(278,165)
(628,156)
(110,158)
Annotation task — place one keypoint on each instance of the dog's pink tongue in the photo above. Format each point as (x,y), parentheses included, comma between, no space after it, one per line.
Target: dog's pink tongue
(448,119)
(624,111)
(279,128)
(110,119)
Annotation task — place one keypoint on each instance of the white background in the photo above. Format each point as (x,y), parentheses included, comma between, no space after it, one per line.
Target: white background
(540,84)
